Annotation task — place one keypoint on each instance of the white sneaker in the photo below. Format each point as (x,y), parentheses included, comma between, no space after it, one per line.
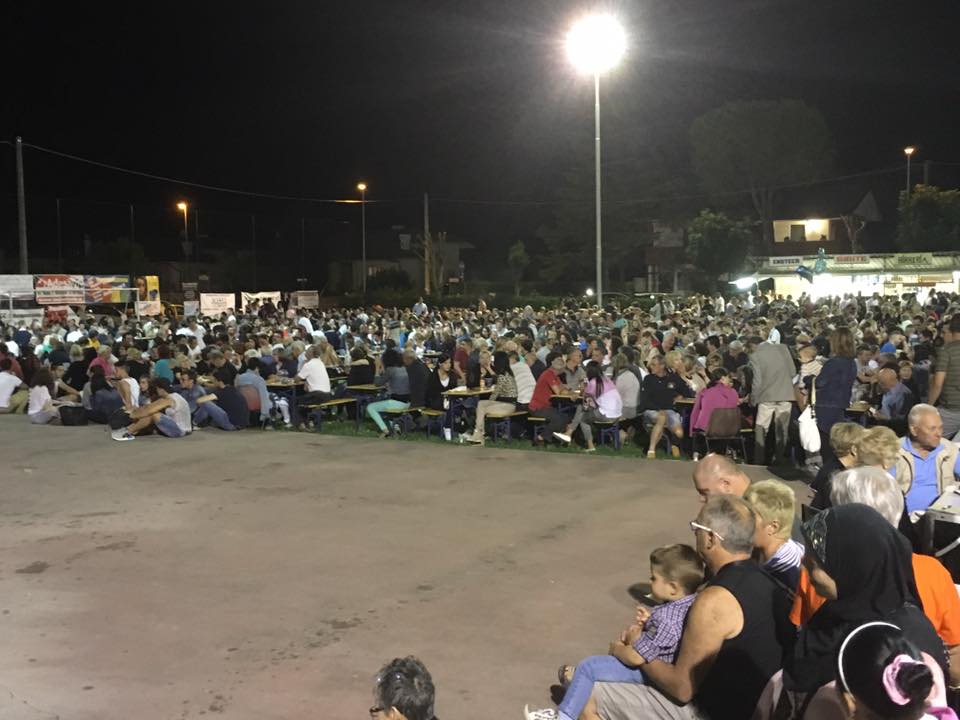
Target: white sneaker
(567,439)
(121,435)
(542,714)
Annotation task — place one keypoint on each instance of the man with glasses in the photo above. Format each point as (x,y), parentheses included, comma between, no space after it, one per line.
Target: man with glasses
(733,640)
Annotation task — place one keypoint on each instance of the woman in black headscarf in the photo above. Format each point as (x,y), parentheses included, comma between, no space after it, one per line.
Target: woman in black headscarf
(862,565)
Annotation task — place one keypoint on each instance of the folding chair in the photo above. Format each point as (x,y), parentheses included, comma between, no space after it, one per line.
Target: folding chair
(725,424)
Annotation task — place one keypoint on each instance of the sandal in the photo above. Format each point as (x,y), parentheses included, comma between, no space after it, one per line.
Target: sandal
(565,675)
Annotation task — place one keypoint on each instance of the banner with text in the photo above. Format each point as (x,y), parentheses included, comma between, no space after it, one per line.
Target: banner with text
(20,286)
(59,289)
(305,299)
(216,303)
(261,297)
(107,289)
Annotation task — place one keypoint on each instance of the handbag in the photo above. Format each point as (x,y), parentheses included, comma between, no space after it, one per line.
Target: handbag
(72,415)
(809,432)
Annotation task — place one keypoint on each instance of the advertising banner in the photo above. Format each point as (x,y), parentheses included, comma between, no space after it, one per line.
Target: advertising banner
(851,259)
(189,291)
(248,298)
(59,289)
(107,288)
(149,292)
(305,299)
(191,308)
(21,286)
(216,303)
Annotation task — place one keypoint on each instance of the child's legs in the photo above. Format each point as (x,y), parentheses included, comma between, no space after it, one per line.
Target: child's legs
(594,669)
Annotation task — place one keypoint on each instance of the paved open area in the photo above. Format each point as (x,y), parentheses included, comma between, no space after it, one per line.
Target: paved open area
(262,575)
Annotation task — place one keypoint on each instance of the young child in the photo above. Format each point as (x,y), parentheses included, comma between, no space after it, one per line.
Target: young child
(676,572)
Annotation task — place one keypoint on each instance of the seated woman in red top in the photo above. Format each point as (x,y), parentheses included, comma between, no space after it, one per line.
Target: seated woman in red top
(717,395)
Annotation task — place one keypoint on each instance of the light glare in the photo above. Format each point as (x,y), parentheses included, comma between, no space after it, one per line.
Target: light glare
(596,43)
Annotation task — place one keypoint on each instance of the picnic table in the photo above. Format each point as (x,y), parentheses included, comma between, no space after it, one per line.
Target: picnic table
(462,398)
(365,395)
(287,387)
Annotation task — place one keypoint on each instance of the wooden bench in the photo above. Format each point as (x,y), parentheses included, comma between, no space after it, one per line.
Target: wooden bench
(501,423)
(538,428)
(435,419)
(316,409)
(404,415)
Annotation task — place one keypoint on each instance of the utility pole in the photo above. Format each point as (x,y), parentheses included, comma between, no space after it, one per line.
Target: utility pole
(926,172)
(133,238)
(59,240)
(427,244)
(196,236)
(253,232)
(21,209)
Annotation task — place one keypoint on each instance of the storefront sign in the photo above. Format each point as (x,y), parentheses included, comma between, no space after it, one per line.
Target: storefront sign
(914,260)
(305,299)
(786,261)
(59,289)
(851,259)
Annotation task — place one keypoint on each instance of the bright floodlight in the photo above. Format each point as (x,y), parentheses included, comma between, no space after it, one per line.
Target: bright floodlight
(362,187)
(181,206)
(908,151)
(745,283)
(596,44)
(589,292)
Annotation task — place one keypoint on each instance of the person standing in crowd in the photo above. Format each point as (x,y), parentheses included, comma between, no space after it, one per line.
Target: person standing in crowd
(834,387)
(945,380)
(771,391)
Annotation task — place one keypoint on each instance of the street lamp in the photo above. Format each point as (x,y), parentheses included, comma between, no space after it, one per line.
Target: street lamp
(362,187)
(909,151)
(182,206)
(596,44)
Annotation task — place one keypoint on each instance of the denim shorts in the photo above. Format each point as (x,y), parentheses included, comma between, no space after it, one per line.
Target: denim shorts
(673,418)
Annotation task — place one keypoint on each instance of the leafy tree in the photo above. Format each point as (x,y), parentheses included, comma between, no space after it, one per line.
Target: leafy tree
(929,219)
(758,146)
(717,244)
(517,260)
(431,248)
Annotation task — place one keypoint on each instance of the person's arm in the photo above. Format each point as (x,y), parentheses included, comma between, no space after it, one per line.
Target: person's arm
(936,386)
(756,381)
(626,654)
(157,406)
(66,388)
(715,616)
(124,391)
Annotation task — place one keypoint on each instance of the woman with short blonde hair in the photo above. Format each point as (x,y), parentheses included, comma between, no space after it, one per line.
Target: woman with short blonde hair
(878,447)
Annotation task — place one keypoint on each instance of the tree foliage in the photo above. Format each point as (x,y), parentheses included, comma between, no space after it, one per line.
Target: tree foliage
(517,260)
(929,219)
(717,244)
(760,145)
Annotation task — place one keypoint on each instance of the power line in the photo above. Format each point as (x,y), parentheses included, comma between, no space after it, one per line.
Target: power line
(188,183)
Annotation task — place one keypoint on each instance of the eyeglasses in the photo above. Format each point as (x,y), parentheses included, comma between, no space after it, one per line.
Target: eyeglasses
(376,710)
(694,525)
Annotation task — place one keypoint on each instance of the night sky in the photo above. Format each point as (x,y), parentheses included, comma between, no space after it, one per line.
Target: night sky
(467,100)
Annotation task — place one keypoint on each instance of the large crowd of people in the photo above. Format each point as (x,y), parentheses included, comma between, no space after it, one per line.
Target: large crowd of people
(760,615)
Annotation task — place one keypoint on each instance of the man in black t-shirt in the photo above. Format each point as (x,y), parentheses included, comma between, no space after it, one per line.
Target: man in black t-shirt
(658,394)
(229,398)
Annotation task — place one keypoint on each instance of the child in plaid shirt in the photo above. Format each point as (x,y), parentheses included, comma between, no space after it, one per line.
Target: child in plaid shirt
(676,572)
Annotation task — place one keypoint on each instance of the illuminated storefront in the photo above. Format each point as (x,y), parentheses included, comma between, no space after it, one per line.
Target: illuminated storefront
(887,274)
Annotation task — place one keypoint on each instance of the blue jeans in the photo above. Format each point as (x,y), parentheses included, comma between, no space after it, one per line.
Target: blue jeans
(167,426)
(373,410)
(594,669)
(215,414)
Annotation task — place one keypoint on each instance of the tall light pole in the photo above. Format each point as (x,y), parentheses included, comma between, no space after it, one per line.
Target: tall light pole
(596,44)
(362,187)
(909,151)
(182,207)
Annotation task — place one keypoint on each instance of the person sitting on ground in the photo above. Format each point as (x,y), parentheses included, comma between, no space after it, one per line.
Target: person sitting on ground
(601,403)
(774,503)
(230,399)
(718,395)
(394,376)
(549,383)
(859,562)
(40,404)
(441,380)
(676,572)
(163,368)
(252,377)
(875,488)
(203,405)
(844,437)
(878,446)
(503,399)
(658,395)
(104,360)
(167,413)
(128,388)
(14,395)
(76,376)
(404,691)
(733,639)
(882,675)
(927,463)
(105,399)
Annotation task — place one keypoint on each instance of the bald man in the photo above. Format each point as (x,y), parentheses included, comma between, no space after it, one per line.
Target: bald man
(719,475)
(896,402)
